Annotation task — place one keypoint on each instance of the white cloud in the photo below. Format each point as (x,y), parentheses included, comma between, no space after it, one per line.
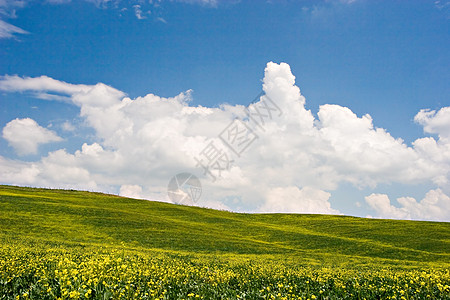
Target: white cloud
(435,152)
(292,199)
(138,12)
(435,206)
(442,5)
(98,3)
(141,8)
(8,30)
(364,155)
(293,165)
(202,2)
(102,3)
(8,7)
(67,126)
(17,172)
(59,1)
(131,191)
(8,10)
(40,84)
(25,135)
(435,122)
(160,19)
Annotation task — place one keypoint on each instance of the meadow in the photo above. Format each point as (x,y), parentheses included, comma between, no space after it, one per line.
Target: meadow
(58,244)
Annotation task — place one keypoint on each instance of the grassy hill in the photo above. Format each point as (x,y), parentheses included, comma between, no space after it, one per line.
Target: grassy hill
(83,218)
(57,244)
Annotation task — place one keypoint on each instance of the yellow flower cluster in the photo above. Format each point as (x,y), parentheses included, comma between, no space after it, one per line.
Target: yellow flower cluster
(100,273)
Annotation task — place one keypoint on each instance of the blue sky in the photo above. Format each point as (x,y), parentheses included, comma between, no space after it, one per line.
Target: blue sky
(388,59)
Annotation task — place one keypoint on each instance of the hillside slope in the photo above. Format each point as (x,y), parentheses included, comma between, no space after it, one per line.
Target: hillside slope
(81,218)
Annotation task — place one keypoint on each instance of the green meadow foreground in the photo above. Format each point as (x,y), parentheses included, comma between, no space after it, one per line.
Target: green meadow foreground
(77,245)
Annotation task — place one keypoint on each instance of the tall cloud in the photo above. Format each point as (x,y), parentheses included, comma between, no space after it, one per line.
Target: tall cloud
(292,165)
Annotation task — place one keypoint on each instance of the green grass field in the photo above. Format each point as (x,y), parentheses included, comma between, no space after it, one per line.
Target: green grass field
(81,245)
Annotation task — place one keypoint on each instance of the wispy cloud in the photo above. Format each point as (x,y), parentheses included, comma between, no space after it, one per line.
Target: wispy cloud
(444,7)
(59,1)
(441,5)
(138,12)
(142,9)
(8,7)
(40,84)
(161,19)
(8,10)
(202,2)
(9,31)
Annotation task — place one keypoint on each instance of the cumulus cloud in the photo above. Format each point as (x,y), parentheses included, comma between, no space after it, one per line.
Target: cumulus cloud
(435,206)
(293,164)
(293,199)
(131,191)
(25,135)
(435,122)
(17,172)
(432,151)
